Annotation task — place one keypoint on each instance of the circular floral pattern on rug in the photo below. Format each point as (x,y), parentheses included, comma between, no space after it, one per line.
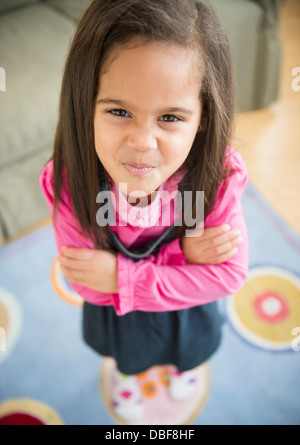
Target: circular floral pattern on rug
(62,286)
(160,409)
(266,311)
(10,323)
(27,412)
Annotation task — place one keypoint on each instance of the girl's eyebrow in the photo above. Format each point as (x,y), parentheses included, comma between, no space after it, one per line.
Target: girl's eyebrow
(111,101)
(119,103)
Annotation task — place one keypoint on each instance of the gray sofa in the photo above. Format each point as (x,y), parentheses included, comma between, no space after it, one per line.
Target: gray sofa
(34,38)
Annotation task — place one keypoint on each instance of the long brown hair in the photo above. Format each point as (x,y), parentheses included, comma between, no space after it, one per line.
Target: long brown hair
(190,23)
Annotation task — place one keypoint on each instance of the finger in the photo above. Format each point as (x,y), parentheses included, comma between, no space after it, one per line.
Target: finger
(71,263)
(234,236)
(217,245)
(215,250)
(75,276)
(222,258)
(225,247)
(81,254)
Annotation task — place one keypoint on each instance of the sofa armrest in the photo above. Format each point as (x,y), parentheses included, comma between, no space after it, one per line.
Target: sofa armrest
(269,54)
(271,6)
(252,27)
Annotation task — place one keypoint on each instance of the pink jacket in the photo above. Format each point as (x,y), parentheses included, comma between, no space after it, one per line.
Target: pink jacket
(164,281)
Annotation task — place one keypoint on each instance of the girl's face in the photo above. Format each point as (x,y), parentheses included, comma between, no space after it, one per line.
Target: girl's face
(147,113)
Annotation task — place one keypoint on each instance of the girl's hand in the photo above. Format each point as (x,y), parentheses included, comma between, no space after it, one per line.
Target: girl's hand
(95,269)
(216,245)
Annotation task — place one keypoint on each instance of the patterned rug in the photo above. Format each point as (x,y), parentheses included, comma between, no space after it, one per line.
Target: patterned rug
(49,376)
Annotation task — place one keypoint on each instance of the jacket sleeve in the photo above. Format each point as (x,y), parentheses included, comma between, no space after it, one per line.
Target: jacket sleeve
(167,282)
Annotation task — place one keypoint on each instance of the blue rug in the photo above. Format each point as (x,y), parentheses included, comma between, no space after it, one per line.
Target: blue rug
(46,368)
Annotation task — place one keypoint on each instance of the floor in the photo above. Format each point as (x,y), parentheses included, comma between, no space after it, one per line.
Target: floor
(269,138)
(47,371)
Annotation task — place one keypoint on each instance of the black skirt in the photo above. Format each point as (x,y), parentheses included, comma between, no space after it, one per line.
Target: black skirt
(139,340)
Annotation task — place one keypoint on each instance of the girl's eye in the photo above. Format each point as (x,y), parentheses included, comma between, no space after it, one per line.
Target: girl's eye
(170,118)
(119,112)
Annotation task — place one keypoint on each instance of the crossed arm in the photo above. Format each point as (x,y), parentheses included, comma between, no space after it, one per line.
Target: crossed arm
(98,270)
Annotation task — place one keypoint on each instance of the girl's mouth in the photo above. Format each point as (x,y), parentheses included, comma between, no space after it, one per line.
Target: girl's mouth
(138,169)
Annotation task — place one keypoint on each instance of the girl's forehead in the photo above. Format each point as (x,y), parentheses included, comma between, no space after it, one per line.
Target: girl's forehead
(151,61)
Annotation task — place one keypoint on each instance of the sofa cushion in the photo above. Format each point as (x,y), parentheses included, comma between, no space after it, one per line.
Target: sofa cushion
(33,45)
(22,203)
(73,8)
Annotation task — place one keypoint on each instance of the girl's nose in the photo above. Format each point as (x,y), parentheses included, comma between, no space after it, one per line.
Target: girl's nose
(142,139)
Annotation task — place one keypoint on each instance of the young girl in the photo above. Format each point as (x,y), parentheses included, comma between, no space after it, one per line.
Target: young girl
(147,106)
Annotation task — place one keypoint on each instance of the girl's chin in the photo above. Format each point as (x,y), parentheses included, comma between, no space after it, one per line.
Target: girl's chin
(136,193)
(133,194)
(139,188)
